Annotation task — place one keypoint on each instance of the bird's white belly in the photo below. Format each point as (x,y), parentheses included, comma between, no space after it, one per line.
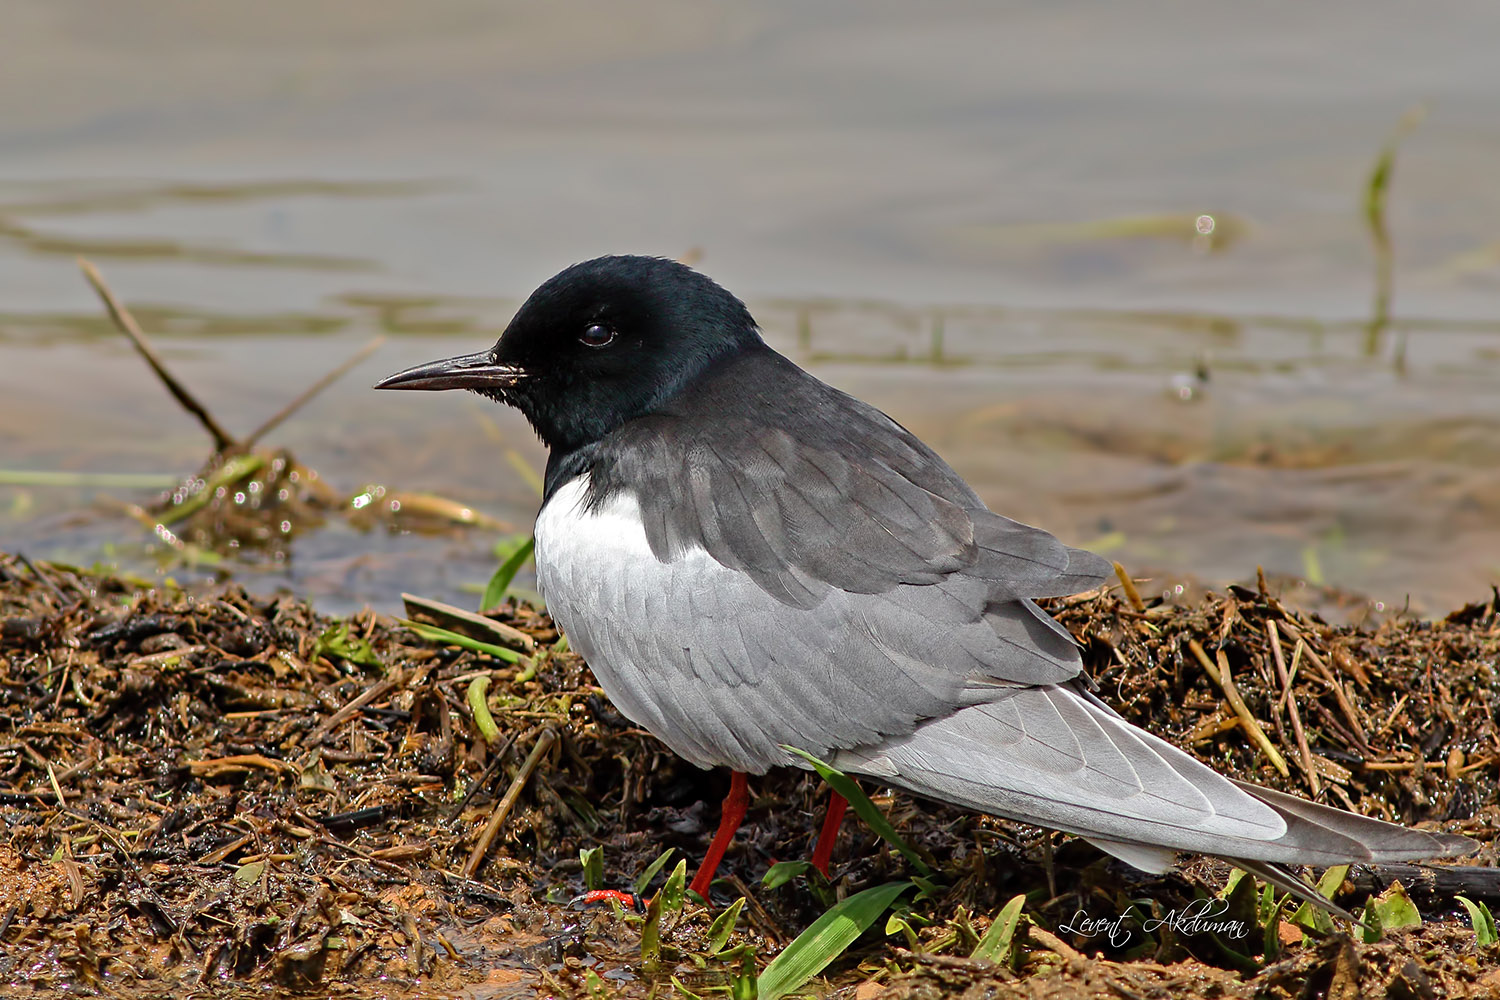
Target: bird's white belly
(614,600)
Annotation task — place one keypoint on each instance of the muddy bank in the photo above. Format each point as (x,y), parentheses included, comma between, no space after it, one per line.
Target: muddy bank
(223,792)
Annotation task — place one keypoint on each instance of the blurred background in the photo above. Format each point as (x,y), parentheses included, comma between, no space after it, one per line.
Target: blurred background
(1120,264)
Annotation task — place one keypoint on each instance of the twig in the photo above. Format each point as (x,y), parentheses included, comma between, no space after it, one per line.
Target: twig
(1303,750)
(1212,726)
(127,324)
(544,743)
(1128,585)
(1339,694)
(311,391)
(1058,946)
(42,577)
(1222,677)
(758,913)
(1434,885)
(241,761)
(374,692)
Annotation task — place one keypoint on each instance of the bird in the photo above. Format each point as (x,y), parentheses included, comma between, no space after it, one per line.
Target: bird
(750,561)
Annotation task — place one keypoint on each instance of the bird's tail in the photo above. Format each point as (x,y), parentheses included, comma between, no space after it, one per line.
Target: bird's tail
(1057,757)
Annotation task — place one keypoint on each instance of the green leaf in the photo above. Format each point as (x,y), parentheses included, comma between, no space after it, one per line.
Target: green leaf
(1315,917)
(434,634)
(723,926)
(867,810)
(674,892)
(596,986)
(827,939)
(651,935)
(1000,943)
(783,872)
(1268,916)
(927,888)
(651,870)
(1482,920)
(1393,909)
(899,922)
(683,990)
(336,641)
(249,874)
(494,591)
(745,985)
(592,859)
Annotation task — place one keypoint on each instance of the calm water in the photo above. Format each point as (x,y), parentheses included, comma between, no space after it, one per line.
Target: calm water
(981,220)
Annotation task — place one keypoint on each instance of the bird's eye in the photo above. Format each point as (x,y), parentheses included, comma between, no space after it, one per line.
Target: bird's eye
(597,335)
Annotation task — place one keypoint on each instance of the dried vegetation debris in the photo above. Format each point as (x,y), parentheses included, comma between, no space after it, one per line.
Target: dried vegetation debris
(215,788)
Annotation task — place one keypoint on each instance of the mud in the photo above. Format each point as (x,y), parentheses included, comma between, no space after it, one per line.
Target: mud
(219,793)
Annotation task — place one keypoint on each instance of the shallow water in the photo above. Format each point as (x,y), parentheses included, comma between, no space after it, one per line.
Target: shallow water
(982,221)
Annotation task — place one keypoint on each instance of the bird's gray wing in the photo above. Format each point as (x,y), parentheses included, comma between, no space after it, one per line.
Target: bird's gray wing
(725,673)
(855,503)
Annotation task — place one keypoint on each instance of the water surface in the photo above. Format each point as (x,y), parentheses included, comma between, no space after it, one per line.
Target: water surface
(981,219)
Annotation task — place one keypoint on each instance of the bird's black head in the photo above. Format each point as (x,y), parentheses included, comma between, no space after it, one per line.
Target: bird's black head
(599,344)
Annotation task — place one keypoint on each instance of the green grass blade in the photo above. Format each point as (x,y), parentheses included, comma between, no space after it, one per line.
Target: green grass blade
(867,810)
(783,872)
(592,859)
(651,870)
(434,634)
(100,480)
(723,926)
(494,591)
(675,890)
(1483,921)
(651,935)
(999,943)
(826,939)
(1316,917)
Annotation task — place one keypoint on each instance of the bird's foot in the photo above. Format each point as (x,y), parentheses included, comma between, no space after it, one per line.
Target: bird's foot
(629,900)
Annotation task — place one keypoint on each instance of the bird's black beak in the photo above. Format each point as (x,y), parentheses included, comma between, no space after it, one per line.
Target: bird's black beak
(470,371)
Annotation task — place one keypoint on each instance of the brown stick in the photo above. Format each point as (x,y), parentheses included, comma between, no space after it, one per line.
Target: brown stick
(1303,750)
(1222,677)
(127,324)
(1325,675)
(377,690)
(1128,585)
(1430,885)
(544,743)
(311,391)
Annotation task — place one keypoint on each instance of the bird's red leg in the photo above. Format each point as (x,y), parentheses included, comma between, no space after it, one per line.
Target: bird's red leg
(823,852)
(735,804)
